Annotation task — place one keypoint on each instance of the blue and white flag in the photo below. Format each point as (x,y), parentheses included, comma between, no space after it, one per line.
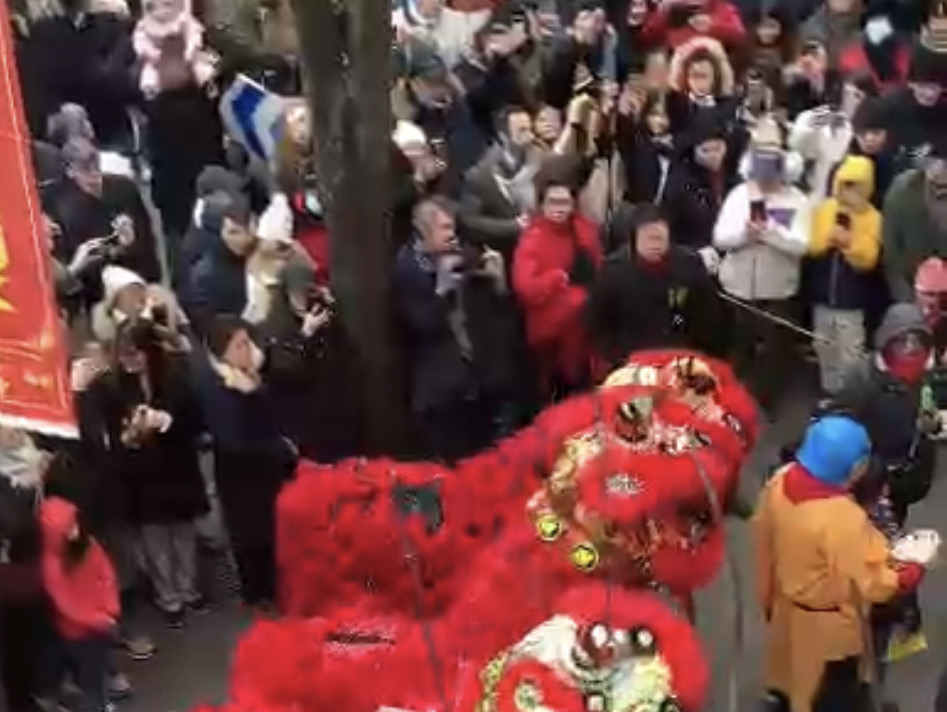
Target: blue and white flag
(253,117)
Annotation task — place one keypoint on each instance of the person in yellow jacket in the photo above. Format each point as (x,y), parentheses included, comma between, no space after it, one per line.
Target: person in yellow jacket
(820,565)
(845,244)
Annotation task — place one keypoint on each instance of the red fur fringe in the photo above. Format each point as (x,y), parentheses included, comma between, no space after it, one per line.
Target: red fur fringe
(443,603)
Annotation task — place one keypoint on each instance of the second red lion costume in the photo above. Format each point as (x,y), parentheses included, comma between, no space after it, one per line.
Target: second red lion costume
(531,580)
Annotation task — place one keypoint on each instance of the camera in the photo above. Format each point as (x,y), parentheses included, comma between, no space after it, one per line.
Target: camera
(316,299)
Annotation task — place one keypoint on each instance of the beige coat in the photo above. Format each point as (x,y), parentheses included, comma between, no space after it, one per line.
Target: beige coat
(820,564)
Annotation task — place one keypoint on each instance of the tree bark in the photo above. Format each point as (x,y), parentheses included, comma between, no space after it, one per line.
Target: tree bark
(346,56)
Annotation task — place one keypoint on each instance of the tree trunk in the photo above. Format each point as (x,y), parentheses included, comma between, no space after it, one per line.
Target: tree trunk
(347,73)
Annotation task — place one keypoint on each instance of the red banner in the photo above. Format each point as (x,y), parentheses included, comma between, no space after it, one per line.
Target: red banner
(34,385)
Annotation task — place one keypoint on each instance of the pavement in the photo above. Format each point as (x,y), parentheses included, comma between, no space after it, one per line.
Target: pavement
(192,664)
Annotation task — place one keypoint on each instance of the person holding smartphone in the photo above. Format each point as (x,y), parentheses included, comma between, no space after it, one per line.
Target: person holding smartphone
(845,245)
(763,229)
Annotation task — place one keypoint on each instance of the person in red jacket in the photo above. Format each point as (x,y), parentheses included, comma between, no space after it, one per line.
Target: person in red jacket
(675,22)
(82,589)
(554,265)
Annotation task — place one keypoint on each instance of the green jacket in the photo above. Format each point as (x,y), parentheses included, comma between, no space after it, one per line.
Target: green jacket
(910,235)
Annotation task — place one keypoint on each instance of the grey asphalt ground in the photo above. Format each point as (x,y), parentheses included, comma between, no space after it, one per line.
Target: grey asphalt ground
(192,665)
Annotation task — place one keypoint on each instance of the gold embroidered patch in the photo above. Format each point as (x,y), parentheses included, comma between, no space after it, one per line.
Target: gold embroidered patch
(584,557)
(549,527)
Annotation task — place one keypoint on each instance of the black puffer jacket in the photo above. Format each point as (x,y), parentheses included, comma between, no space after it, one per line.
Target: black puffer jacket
(891,412)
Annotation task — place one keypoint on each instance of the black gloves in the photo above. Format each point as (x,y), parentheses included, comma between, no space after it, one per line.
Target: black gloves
(583,268)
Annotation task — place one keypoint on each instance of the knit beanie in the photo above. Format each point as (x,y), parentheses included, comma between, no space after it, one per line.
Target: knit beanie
(115,279)
(217,178)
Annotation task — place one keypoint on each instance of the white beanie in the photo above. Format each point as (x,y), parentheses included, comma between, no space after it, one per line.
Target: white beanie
(115,279)
(407,135)
(276,222)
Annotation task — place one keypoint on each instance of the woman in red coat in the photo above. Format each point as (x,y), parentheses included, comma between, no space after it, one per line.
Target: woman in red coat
(554,265)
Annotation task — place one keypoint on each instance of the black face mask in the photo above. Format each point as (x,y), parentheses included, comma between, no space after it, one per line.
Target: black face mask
(77,548)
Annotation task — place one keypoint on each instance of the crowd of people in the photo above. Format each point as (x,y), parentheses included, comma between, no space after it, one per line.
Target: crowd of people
(579,179)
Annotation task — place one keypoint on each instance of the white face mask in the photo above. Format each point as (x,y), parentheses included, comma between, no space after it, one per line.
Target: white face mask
(878,29)
(313,204)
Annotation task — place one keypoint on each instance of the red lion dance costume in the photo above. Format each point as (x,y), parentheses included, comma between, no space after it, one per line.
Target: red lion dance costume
(541,576)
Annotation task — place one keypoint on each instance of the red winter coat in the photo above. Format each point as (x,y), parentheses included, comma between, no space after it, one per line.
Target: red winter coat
(551,305)
(85,597)
(313,236)
(853,60)
(725,26)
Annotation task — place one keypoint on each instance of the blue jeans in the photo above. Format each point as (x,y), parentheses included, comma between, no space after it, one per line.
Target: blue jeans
(87,659)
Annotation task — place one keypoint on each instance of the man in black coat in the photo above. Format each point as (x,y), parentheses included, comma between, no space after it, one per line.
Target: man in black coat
(105,209)
(459,325)
(217,280)
(887,393)
(650,294)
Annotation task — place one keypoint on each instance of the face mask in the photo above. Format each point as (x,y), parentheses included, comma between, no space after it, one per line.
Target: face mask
(878,29)
(767,167)
(907,358)
(312,203)
(908,368)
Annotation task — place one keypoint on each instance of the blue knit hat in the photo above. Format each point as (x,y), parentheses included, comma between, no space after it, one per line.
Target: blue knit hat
(832,447)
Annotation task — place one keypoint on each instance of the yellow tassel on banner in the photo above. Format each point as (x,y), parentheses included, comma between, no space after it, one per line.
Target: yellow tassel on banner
(5,306)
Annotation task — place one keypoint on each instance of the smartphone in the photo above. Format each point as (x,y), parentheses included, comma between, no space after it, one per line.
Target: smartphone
(843,220)
(159,314)
(758,210)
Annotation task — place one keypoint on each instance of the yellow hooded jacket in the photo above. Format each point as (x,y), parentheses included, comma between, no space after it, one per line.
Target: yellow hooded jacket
(863,252)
